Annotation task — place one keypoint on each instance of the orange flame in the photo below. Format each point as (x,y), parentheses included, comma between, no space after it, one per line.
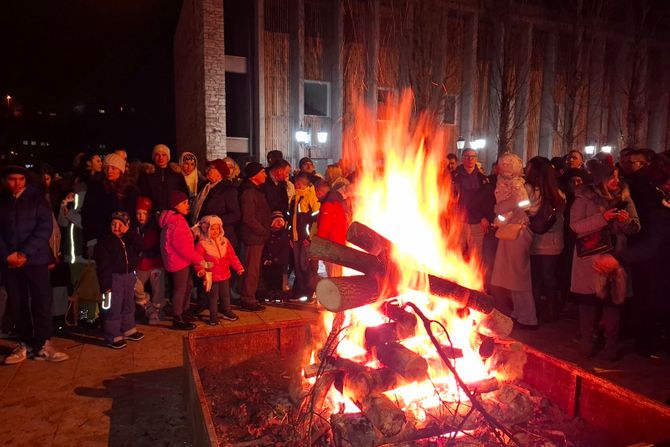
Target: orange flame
(402,192)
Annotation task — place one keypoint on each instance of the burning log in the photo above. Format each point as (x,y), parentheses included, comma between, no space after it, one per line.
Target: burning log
(352,430)
(384,414)
(348,257)
(367,238)
(484,386)
(361,384)
(386,333)
(452,352)
(484,345)
(406,321)
(495,324)
(313,369)
(347,292)
(404,361)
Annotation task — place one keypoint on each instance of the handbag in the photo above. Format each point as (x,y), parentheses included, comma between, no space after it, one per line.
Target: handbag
(509,232)
(594,243)
(544,219)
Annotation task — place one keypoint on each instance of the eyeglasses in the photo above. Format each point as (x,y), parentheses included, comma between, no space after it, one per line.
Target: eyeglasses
(469,156)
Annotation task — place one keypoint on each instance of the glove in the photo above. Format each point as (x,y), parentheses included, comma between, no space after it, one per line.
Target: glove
(206,265)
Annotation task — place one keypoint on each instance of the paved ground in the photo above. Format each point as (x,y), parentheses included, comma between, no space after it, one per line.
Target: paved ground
(131,397)
(134,397)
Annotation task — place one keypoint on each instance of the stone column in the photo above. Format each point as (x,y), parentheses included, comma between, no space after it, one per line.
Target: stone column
(337,81)
(257,145)
(469,77)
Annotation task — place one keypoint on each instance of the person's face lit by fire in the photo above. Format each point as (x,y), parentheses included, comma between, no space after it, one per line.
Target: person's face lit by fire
(574,160)
(469,159)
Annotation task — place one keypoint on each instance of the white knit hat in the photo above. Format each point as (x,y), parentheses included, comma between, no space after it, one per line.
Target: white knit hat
(115,160)
(161,148)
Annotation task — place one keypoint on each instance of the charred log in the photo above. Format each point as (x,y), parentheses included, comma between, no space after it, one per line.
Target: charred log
(384,414)
(353,430)
(404,361)
(345,256)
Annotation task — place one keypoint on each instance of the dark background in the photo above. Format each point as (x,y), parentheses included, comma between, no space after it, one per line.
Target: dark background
(65,61)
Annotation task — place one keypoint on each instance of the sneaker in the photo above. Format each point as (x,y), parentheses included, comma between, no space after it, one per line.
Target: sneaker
(182,326)
(117,344)
(213,322)
(304,299)
(252,307)
(229,315)
(50,354)
(19,354)
(135,336)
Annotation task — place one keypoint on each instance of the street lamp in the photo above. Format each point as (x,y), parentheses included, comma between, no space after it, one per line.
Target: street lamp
(322,137)
(303,136)
(477,144)
(460,143)
(590,149)
(8,98)
(606,149)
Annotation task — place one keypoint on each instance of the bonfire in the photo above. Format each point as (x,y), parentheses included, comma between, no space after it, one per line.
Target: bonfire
(411,348)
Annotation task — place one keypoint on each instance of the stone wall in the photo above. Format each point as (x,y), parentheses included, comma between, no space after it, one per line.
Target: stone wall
(200,103)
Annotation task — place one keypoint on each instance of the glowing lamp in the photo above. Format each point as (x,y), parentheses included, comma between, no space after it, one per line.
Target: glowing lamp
(322,137)
(589,150)
(302,136)
(460,143)
(606,149)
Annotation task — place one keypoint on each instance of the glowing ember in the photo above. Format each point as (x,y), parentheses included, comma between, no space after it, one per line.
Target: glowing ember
(402,193)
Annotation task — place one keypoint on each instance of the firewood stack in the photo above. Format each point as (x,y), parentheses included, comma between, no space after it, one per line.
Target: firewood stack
(381,420)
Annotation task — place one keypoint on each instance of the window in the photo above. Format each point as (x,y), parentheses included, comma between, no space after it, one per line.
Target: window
(449,103)
(317,98)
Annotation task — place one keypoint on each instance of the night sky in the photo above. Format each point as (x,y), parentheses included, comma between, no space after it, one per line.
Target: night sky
(57,54)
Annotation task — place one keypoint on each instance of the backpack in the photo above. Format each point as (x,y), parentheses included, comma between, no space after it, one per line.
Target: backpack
(544,219)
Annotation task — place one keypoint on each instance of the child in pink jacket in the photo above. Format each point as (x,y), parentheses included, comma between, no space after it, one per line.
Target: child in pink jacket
(218,252)
(178,251)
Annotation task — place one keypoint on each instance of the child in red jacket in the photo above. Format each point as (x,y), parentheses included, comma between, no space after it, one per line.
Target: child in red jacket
(216,249)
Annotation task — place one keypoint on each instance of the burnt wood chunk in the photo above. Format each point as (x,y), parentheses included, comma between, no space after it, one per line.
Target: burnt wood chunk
(404,361)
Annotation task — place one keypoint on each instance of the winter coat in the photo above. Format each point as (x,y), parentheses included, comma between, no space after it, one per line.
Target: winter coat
(157,186)
(586,216)
(177,247)
(101,201)
(276,195)
(551,242)
(256,215)
(150,252)
(218,251)
(303,207)
(511,268)
(194,181)
(114,255)
(466,191)
(222,200)
(26,224)
(332,219)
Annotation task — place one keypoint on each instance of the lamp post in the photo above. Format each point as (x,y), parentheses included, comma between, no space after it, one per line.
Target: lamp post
(606,149)
(8,98)
(460,143)
(590,149)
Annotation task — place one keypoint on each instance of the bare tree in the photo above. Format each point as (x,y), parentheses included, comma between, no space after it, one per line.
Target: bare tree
(574,67)
(508,49)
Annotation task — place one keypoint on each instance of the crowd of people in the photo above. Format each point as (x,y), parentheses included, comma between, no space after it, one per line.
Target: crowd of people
(168,238)
(175,239)
(568,231)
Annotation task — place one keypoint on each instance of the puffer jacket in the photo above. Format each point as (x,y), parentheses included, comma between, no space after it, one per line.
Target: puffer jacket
(586,216)
(332,219)
(114,255)
(177,247)
(26,224)
(219,251)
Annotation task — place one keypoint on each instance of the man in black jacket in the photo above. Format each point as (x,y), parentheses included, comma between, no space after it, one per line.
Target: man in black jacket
(255,231)
(467,179)
(25,227)
(219,197)
(158,184)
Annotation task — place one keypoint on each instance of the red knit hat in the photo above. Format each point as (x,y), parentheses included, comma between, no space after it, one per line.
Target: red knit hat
(175,198)
(220,166)
(144,203)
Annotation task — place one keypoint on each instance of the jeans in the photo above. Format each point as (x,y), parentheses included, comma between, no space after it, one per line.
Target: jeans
(543,270)
(29,298)
(119,319)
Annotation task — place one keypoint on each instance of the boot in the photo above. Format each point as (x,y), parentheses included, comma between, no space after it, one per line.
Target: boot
(587,318)
(610,322)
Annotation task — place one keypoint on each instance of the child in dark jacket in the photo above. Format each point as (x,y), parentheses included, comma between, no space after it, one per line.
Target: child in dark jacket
(150,268)
(116,257)
(217,251)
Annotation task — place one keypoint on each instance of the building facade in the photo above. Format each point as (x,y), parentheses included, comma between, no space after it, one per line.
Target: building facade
(536,77)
